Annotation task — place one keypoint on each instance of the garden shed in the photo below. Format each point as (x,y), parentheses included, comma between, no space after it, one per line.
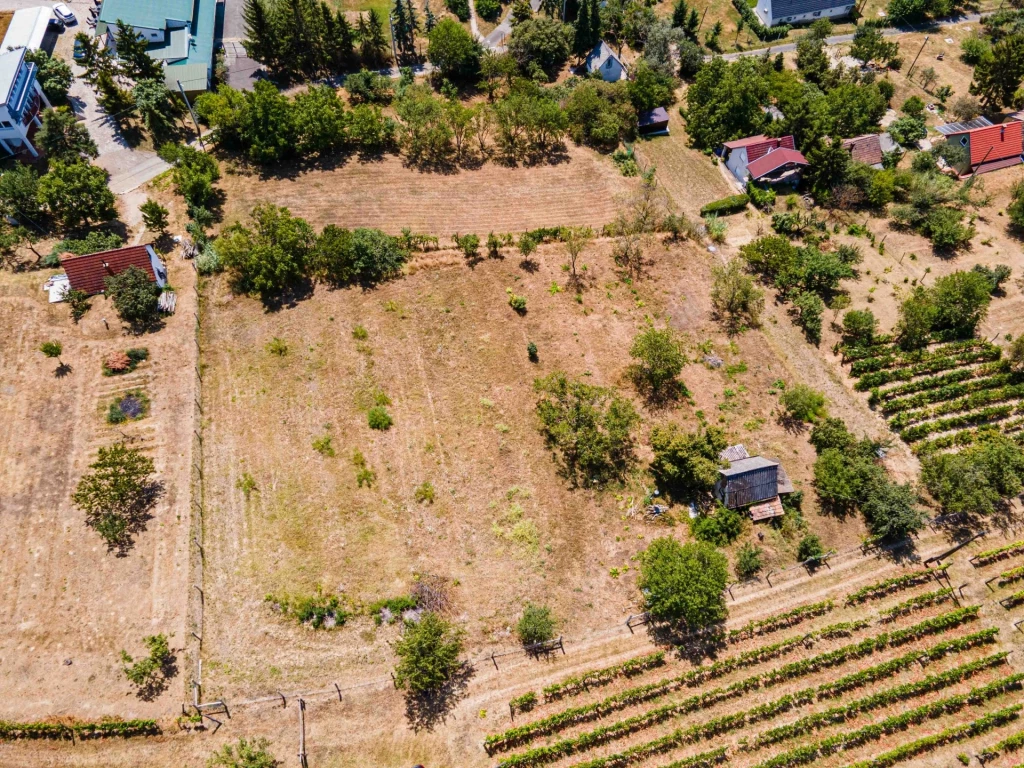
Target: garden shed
(752,481)
(653,122)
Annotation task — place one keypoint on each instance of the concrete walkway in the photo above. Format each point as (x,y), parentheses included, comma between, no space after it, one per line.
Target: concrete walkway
(970,18)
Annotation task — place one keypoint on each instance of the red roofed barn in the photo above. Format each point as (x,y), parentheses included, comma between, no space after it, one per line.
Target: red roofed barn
(989,147)
(761,158)
(87,273)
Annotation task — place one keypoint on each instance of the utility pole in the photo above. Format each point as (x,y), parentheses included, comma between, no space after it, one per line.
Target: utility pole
(302,734)
(914,63)
(199,133)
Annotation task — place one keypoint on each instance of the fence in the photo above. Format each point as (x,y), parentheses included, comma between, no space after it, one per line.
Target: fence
(196,598)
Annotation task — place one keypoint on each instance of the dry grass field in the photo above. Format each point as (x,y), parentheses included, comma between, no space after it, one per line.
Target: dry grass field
(69,606)
(583,189)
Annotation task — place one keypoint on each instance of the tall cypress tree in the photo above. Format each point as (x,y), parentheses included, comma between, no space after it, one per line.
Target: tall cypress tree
(400,29)
(581,39)
(414,26)
(679,13)
(346,41)
(376,44)
(595,23)
(429,21)
(692,23)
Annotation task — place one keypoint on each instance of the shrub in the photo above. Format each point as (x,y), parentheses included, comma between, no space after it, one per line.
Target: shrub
(536,625)
(488,9)
(324,445)
(686,464)
(244,754)
(737,301)
(517,302)
(531,352)
(683,583)
(317,610)
(428,654)
(134,296)
(716,228)
(727,205)
(803,403)
(378,418)
(721,528)
(277,347)
(148,674)
(366,87)
(659,358)
(810,547)
(424,493)
(130,406)
(811,307)
(859,327)
(748,561)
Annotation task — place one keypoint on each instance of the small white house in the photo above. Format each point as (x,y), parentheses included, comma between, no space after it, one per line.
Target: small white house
(603,61)
(21,101)
(772,12)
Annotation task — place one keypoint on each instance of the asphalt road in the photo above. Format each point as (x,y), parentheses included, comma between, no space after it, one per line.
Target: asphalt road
(242,71)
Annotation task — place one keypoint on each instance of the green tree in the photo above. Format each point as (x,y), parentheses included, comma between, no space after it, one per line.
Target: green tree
(154,215)
(193,174)
(76,194)
(365,256)
(244,754)
(589,426)
(1015,355)
(53,350)
(829,166)
(428,655)
(737,301)
(321,125)
(961,302)
(724,102)
(63,138)
(810,306)
(135,60)
(536,625)
(748,562)
(453,50)
(686,464)
(116,493)
(998,74)
(261,42)
(649,88)
(891,510)
(803,403)
(271,256)
(134,295)
(869,44)
(659,360)
(810,547)
(54,75)
(267,124)
(19,193)
(149,674)
(546,43)
(581,43)
(979,478)
(683,583)
(373,45)
(154,105)
(917,317)
(831,433)
(859,327)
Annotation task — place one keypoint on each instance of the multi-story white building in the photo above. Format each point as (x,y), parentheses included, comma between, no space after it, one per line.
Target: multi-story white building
(772,12)
(21,101)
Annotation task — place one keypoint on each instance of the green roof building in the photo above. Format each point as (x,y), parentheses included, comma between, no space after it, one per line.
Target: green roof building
(179,32)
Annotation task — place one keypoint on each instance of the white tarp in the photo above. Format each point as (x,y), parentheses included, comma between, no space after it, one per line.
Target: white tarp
(28,28)
(57,286)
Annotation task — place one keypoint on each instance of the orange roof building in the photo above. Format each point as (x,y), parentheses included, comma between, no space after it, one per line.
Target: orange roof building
(88,273)
(989,147)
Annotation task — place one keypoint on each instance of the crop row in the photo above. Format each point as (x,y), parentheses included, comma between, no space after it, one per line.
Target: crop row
(916,603)
(781,621)
(895,584)
(571,686)
(1013,600)
(901,722)
(703,760)
(844,712)
(946,392)
(622,728)
(941,380)
(983,724)
(1000,553)
(966,403)
(1011,576)
(10,731)
(895,359)
(1011,744)
(878,378)
(921,431)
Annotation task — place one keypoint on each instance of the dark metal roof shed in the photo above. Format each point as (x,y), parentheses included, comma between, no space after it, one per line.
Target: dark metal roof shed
(748,481)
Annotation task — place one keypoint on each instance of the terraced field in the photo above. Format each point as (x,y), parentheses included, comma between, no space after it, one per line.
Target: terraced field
(942,397)
(905,668)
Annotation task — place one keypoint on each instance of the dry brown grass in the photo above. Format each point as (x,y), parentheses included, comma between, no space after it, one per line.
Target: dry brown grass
(5,22)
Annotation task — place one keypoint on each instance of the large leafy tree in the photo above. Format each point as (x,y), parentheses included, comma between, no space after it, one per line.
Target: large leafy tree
(978,479)
(591,428)
(55,76)
(541,41)
(365,256)
(270,256)
(428,655)
(961,302)
(725,101)
(116,493)
(453,50)
(683,583)
(63,138)
(76,194)
(320,122)
(869,44)
(686,464)
(135,296)
(659,360)
(998,75)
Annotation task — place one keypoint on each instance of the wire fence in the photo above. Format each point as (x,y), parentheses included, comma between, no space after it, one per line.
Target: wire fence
(196,598)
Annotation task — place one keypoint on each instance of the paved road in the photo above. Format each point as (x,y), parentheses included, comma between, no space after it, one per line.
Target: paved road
(496,40)
(242,71)
(835,39)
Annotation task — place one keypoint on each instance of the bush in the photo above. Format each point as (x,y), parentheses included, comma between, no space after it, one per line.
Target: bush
(811,308)
(536,625)
(683,583)
(727,205)
(748,562)
(737,301)
(277,347)
(763,198)
(659,358)
(721,528)
(148,674)
(488,9)
(810,546)
(378,418)
(686,464)
(424,493)
(317,610)
(517,302)
(973,51)
(460,8)
(531,352)
(366,87)
(428,654)
(324,445)
(803,403)
(859,327)
(244,754)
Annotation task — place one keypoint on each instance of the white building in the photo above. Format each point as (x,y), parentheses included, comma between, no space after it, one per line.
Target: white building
(603,61)
(21,101)
(772,12)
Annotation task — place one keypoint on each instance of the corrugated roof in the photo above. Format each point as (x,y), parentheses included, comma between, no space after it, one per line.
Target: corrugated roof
(151,14)
(87,273)
(773,161)
(734,453)
(193,77)
(969,125)
(783,8)
(748,465)
(766,510)
(996,142)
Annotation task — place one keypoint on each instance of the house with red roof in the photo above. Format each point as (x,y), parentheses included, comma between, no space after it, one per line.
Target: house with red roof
(89,273)
(870,148)
(764,159)
(988,147)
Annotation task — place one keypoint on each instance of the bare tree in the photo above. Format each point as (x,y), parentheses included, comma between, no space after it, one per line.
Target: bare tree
(575,240)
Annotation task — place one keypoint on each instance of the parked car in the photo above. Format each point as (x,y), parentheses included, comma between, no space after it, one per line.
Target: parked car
(55,23)
(79,51)
(64,13)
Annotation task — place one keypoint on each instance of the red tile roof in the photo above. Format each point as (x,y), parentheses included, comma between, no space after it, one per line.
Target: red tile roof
(995,165)
(994,142)
(740,143)
(757,151)
(865,149)
(87,273)
(773,161)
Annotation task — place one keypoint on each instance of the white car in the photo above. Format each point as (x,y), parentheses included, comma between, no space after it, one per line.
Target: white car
(64,13)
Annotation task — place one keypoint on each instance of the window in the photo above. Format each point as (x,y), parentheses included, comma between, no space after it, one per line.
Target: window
(816,13)
(963,141)
(6,124)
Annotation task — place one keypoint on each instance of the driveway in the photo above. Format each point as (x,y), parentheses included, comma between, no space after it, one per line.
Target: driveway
(496,40)
(242,71)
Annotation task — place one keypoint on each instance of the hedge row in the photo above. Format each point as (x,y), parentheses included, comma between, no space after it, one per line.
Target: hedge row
(916,603)
(1012,744)
(899,359)
(1013,600)
(896,584)
(1001,553)
(984,416)
(967,403)
(961,438)
(940,380)
(952,735)
(901,722)
(571,686)
(10,731)
(844,712)
(947,392)
(727,205)
(851,353)
(879,378)
(782,621)
(1011,576)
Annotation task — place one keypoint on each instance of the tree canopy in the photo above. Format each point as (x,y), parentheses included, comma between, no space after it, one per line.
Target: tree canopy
(428,654)
(683,583)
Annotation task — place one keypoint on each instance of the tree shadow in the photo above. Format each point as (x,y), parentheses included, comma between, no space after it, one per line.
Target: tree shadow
(690,646)
(62,371)
(159,682)
(290,297)
(792,425)
(529,265)
(425,711)
(120,529)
